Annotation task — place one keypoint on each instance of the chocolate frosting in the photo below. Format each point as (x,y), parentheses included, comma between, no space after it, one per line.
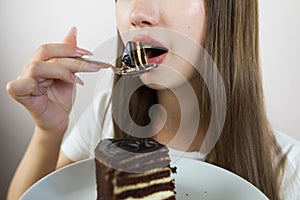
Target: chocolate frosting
(143,145)
(132,155)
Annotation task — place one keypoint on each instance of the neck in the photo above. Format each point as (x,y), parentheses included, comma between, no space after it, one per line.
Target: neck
(181,129)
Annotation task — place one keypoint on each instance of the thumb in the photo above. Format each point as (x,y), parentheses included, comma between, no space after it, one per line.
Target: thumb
(71,37)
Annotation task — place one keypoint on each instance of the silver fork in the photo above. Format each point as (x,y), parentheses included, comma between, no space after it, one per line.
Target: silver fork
(134,58)
(124,69)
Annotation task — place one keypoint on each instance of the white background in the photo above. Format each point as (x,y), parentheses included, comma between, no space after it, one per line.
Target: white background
(27,24)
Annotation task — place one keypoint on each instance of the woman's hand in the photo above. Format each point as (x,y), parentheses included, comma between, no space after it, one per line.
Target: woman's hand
(46,87)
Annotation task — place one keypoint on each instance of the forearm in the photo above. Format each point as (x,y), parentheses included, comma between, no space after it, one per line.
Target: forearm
(39,160)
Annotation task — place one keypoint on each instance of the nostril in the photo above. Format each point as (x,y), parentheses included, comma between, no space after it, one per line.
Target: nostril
(146,23)
(142,23)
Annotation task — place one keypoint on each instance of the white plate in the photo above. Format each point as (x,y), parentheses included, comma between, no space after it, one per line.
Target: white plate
(195,180)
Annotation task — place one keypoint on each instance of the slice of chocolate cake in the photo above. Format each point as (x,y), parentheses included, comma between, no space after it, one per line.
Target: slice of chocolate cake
(133,169)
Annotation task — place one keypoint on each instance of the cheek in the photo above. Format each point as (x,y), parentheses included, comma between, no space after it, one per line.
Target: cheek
(122,16)
(190,19)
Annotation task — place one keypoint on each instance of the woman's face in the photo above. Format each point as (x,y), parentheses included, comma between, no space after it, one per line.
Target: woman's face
(143,17)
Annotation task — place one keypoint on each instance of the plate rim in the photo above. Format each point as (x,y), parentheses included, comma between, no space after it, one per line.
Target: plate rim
(173,164)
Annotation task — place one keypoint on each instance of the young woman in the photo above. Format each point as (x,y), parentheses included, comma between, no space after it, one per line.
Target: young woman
(227,30)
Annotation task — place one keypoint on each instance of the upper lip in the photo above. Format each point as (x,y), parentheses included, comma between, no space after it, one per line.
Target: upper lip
(148,40)
(154,49)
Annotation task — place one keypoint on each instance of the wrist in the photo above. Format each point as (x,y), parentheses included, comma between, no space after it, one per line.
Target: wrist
(49,135)
(58,128)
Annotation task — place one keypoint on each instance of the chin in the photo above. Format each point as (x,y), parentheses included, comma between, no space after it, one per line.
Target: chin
(155,86)
(154,80)
(158,79)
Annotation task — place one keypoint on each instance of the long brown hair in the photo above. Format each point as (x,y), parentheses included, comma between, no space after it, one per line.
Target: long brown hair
(247,145)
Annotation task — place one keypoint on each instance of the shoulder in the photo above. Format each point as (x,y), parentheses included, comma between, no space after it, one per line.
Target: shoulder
(97,109)
(94,124)
(99,113)
(291,179)
(101,102)
(289,145)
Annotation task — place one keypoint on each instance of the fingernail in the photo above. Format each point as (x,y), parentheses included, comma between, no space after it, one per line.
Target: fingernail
(76,79)
(43,90)
(73,31)
(82,52)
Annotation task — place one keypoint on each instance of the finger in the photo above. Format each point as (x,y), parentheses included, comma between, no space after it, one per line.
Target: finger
(42,71)
(49,51)
(45,83)
(71,37)
(24,87)
(77,65)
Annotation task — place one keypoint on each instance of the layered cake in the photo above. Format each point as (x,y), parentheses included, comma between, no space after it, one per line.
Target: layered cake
(133,169)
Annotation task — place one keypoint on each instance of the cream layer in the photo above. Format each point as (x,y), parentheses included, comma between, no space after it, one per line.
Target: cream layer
(155,196)
(118,190)
(153,171)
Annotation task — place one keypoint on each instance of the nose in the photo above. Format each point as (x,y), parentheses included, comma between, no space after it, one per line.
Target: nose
(144,13)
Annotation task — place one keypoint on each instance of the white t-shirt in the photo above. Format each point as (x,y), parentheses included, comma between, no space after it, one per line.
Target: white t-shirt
(96,123)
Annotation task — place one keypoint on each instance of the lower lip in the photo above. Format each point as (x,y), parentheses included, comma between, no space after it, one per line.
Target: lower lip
(158,59)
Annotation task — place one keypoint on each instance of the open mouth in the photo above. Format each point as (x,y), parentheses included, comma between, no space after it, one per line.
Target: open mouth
(142,54)
(156,54)
(154,51)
